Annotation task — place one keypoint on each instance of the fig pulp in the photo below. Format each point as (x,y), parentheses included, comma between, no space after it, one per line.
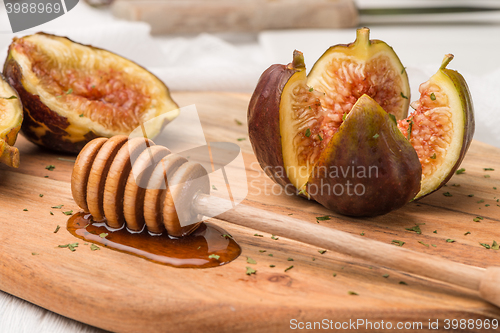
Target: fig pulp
(345,72)
(368,167)
(72,93)
(441,127)
(11,117)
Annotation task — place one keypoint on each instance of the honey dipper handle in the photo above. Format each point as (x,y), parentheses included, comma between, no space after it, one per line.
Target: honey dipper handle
(373,251)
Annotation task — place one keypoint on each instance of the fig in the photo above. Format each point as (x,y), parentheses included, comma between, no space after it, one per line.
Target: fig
(72,93)
(441,127)
(286,124)
(346,72)
(368,168)
(11,117)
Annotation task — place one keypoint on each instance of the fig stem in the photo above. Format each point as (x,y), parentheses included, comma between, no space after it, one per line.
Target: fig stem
(446,60)
(298,60)
(362,36)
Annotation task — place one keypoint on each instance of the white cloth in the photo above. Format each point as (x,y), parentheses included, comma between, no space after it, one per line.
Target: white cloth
(235,62)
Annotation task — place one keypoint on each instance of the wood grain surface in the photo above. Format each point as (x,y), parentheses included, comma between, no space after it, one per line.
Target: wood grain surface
(123,293)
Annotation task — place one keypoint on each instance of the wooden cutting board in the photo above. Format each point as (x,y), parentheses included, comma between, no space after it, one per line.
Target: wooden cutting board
(123,293)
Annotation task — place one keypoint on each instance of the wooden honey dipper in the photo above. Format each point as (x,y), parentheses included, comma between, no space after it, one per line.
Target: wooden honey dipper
(103,184)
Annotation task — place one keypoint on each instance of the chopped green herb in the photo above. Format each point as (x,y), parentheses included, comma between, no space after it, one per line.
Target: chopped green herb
(51,213)
(362,234)
(487,176)
(402,95)
(460,171)
(447,194)
(308,132)
(214,188)
(250,271)
(50,167)
(433,97)
(93,86)
(103,235)
(272,266)
(257,235)
(403,70)
(487,246)
(434,245)
(320,138)
(274,237)
(69,212)
(385,275)
(393,117)
(416,229)
(456,185)
(311,89)
(290,259)
(270,254)
(344,116)
(57,207)
(488,169)
(251,261)
(323,218)
(410,126)
(70,90)
(40,195)
(495,246)
(313,259)
(11,97)
(334,274)
(288,268)
(402,282)
(398,242)
(423,243)
(481,201)
(227,236)
(376,136)
(262,251)
(57,229)
(433,156)
(94,247)
(25,209)
(449,240)
(239,123)
(487,205)
(199,247)
(241,139)
(71,246)
(471,195)
(214,256)
(34,254)
(352,293)
(467,233)
(81,115)
(478,219)
(435,231)
(322,251)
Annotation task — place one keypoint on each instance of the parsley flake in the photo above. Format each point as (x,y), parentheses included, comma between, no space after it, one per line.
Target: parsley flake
(344,116)
(385,276)
(50,167)
(397,242)
(94,247)
(272,266)
(81,115)
(495,246)
(57,207)
(11,97)
(467,233)
(486,246)
(214,188)
(103,235)
(308,132)
(488,169)
(69,212)
(321,251)
(71,246)
(250,270)
(241,139)
(288,268)
(57,229)
(311,89)
(415,228)
(460,171)
(402,95)
(433,156)
(323,218)
(320,138)
(447,194)
(433,97)
(353,293)
(423,243)
(239,123)
(376,136)
(290,259)
(251,261)
(478,219)
(449,240)
(70,90)
(214,256)
(40,195)
(274,237)
(257,235)
(402,282)
(25,209)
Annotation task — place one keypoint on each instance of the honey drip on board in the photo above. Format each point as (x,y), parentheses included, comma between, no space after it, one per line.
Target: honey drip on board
(190,251)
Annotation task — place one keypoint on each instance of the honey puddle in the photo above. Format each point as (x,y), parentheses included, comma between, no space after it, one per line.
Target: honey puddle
(190,251)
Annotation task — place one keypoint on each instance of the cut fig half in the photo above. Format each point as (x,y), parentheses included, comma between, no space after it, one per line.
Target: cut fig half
(11,118)
(441,127)
(345,72)
(72,92)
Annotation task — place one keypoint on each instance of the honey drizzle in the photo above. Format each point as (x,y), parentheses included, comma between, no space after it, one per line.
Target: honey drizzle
(191,251)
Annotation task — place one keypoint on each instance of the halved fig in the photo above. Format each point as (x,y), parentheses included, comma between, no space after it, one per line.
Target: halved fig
(72,93)
(286,123)
(441,127)
(11,118)
(345,72)
(368,167)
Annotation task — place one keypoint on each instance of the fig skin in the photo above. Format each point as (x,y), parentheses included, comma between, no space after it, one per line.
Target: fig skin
(367,140)
(69,133)
(264,117)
